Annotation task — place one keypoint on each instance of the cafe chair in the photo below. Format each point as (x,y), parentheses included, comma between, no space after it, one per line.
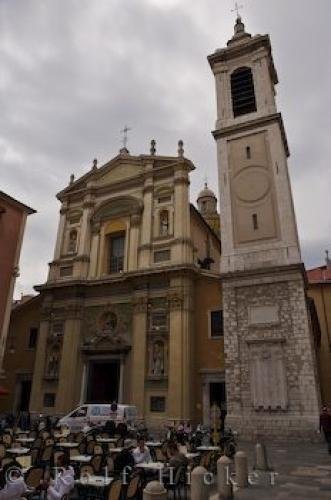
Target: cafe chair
(35,452)
(2,451)
(134,489)
(34,476)
(90,447)
(96,462)
(115,490)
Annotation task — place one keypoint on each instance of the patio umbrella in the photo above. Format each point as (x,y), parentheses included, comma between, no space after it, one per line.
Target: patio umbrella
(3,391)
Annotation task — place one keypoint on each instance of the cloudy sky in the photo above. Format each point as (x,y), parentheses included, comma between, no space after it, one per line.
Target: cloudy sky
(74,72)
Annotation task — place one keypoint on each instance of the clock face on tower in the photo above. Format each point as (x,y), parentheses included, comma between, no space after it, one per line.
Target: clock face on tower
(251,184)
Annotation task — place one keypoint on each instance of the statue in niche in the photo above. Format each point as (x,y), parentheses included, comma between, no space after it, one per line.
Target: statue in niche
(157,366)
(72,246)
(164,223)
(53,364)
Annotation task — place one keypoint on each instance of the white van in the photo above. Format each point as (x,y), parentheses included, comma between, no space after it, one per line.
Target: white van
(98,414)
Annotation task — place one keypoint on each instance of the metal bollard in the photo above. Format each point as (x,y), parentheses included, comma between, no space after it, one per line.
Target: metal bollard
(241,467)
(200,488)
(155,491)
(224,485)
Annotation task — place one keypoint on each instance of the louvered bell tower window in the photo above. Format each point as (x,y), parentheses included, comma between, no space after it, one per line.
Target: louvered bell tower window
(242,90)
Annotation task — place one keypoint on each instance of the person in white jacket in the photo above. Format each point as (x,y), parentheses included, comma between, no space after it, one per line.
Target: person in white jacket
(64,481)
(12,483)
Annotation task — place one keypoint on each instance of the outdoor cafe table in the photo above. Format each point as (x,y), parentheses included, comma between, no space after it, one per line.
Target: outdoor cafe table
(107,440)
(67,445)
(151,465)
(25,440)
(115,450)
(83,459)
(192,456)
(208,448)
(18,451)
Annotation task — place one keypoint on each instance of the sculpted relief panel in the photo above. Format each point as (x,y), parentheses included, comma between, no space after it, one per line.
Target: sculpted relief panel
(108,328)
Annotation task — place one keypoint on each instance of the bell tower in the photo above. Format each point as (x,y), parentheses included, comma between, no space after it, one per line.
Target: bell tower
(270,360)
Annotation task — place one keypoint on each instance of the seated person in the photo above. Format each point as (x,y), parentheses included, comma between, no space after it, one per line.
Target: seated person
(11,482)
(177,459)
(141,454)
(123,459)
(110,427)
(64,481)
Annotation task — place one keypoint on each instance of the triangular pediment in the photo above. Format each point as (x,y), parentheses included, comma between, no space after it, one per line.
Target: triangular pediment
(118,170)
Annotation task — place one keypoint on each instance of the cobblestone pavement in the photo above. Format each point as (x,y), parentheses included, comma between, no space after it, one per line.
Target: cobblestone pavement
(302,471)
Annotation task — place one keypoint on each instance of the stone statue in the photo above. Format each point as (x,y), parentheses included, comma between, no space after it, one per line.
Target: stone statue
(158,359)
(72,242)
(164,223)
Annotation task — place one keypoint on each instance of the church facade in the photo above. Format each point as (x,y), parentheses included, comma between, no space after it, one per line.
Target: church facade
(132,307)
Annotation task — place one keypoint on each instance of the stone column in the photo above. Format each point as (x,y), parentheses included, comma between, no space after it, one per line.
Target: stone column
(134,242)
(182,250)
(71,366)
(180,350)
(84,247)
(138,369)
(37,392)
(147,226)
(60,231)
(94,254)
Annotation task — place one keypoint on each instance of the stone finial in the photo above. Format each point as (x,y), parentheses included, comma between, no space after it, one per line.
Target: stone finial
(153,148)
(180,148)
(95,164)
(72,179)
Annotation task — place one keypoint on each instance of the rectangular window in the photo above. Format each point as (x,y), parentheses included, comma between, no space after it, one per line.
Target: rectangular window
(158,404)
(161,255)
(33,336)
(255,223)
(49,399)
(216,324)
(116,253)
(248,153)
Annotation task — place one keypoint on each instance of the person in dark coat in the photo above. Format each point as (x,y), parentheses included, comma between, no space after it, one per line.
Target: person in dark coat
(325,426)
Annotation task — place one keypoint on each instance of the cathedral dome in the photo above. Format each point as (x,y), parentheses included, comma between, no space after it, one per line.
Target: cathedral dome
(206,193)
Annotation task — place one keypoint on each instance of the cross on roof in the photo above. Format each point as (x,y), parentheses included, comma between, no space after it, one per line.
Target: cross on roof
(125,135)
(237,8)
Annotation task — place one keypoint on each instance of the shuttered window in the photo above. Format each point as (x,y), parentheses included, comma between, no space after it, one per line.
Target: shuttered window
(243,94)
